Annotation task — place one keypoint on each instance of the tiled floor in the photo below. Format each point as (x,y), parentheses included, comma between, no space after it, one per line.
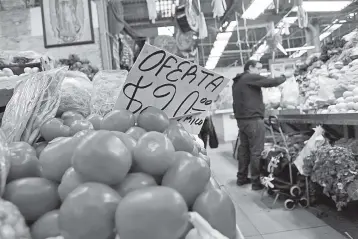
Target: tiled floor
(254,217)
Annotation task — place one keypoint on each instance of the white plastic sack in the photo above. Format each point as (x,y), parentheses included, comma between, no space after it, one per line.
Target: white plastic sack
(272,97)
(316,141)
(327,88)
(290,93)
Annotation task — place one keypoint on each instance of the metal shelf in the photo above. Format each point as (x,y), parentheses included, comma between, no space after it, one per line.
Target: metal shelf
(322,119)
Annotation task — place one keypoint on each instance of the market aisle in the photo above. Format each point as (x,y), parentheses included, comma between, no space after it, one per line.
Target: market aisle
(254,217)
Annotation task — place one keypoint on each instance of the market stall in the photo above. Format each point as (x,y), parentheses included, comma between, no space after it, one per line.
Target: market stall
(65,145)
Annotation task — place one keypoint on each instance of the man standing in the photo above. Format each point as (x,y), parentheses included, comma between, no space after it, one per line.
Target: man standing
(249,110)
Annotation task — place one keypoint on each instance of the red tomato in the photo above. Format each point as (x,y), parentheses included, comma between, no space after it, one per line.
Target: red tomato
(175,123)
(129,142)
(118,120)
(102,157)
(212,184)
(83,133)
(23,161)
(46,226)
(56,158)
(54,128)
(135,181)
(80,125)
(153,119)
(154,153)
(180,138)
(136,132)
(205,158)
(33,196)
(189,177)
(88,212)
(69,117)
(95,120)
(39,147)
(70,181)
(152,212)
(217,208)
(182,155)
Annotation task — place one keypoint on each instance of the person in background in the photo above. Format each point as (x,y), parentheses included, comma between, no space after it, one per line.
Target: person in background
(249,111)
(205,130)
(208,124)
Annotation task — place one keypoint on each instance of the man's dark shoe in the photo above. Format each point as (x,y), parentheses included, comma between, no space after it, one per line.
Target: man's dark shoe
(257,187)
(242,182)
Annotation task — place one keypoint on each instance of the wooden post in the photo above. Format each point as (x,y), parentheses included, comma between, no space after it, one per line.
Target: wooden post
(103,34)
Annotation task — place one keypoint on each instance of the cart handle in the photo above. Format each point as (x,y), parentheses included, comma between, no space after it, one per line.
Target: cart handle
(272,120)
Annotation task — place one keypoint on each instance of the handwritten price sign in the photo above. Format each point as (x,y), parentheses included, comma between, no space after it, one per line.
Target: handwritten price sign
(183,90)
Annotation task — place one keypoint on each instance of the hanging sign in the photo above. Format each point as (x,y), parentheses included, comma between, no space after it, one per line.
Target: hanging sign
(182,89)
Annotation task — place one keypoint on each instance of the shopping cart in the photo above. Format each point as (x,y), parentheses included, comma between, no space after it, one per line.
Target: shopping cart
(280,176)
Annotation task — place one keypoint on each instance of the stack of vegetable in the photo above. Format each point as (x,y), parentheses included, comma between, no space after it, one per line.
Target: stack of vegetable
(75,63)
(98,177)
(334,168)
(325,77)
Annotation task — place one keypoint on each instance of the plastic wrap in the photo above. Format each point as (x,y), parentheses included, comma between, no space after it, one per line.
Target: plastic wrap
(35,100)
(290,93)
(327,88)
(107,86)
(76,91)
(316,140)
(272,97)
(17,57)
(4,162)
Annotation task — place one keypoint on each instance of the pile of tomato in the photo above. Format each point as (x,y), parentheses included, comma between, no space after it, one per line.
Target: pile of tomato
(135,177)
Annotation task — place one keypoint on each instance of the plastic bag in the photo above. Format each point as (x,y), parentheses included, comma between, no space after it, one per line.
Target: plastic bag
(202,229)
(271,97)
(327,88)
(76,91)
(316,140)
(4,162)
(35,100)
(290,93)
(107,86)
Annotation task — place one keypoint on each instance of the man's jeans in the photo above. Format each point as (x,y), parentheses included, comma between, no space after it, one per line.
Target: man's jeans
(252,140)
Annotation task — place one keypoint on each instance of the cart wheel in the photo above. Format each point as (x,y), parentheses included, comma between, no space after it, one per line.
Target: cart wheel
(295,191)
(270,192)
(303,202)
(290,204)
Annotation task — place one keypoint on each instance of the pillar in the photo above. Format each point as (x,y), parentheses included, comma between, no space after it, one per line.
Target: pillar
(103,34)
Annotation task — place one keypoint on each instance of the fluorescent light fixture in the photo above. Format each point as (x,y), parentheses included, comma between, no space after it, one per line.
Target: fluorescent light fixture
(169,31)
(329,31)
(256,8)
(326,32)
(231,26)
(299,48)
(220,44)
(260,52)
(223,36)
(323,6)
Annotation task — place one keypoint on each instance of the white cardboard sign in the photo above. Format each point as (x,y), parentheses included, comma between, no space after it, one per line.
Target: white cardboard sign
(168,82)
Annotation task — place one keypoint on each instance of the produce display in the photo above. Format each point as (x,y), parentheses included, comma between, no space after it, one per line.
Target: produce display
(7,73)
(335,169)
(75,63)
(92,176)
(328,80)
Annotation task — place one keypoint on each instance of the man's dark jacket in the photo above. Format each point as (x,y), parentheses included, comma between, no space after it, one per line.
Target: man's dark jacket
(247,94)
